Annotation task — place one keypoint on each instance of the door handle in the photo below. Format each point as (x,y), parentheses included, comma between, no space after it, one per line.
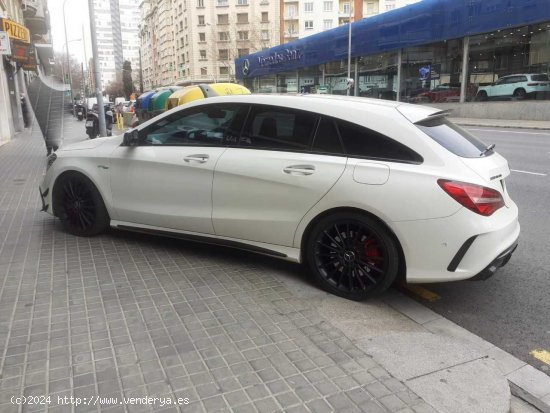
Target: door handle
(300,170)
(200,158)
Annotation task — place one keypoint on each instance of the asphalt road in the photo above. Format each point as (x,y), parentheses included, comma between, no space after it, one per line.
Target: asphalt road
(512,309)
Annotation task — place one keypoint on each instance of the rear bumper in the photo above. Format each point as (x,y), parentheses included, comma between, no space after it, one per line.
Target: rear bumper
(497,263)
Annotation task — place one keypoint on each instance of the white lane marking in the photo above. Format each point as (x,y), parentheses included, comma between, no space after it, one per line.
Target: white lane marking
(508,131)
(527,172)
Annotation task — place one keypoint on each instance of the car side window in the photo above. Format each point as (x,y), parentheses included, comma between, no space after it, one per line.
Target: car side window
(327,139)
(362,142)
(270,127)
(205,125)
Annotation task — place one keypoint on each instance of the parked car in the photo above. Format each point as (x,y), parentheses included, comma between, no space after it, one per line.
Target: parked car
(363,191)
(441,93)
(518,86)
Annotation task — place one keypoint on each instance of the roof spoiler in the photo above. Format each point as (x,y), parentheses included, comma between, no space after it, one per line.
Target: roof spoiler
(207,91)
(434,116)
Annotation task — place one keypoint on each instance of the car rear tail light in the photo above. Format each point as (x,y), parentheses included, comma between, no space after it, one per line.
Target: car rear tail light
(480,199)
(532,84)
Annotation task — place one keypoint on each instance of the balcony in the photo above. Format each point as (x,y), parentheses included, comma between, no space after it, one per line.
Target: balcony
(291,35)
(39,22)
(30,7)
(289,17)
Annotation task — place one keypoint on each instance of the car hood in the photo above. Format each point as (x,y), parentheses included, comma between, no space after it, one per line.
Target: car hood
(88,144)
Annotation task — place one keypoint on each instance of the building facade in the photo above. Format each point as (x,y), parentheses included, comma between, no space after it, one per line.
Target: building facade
(24,26)
(302,18)
(186,42)
(117,30)
(429,52)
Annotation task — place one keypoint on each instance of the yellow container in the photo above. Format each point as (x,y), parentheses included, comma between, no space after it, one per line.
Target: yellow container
(191,93)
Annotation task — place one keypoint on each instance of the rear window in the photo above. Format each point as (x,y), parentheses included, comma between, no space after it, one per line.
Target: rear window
(453,138)
(540,78)
(365,143)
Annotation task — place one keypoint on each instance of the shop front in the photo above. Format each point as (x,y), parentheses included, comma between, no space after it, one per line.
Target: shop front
(17,55)
(432,52)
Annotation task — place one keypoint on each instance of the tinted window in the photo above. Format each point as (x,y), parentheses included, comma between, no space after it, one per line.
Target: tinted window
(278,128)
(453,138)
(204,125)
(365,143)
(327,139)
(540,78)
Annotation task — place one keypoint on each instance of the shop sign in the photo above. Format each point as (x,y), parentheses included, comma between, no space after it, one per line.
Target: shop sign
(5,47)
(23,54)
(287,55)
(15,30)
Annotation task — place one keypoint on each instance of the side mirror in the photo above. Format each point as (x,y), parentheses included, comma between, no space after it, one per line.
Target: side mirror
(131,138)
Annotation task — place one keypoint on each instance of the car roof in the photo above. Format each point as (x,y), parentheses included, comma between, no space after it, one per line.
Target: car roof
(345,107)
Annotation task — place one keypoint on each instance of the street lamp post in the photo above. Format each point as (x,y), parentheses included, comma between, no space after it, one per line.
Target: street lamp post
(68,60)
(97,73)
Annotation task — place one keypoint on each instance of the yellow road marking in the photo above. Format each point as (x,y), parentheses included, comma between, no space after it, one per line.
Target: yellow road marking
(542,355)
(423,292)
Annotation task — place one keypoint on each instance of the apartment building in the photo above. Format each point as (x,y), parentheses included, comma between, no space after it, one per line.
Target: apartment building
(117,37)
(187,42)
(302,18)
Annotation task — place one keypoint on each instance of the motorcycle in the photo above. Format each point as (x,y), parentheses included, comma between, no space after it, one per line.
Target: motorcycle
(92,121)
(79,112)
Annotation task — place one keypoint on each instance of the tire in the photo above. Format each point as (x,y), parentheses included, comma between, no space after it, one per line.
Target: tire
(520,93)
(352,255)
(482,96)
(79,205)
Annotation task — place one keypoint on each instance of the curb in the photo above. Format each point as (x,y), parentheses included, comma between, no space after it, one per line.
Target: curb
(525,381)
(494,124)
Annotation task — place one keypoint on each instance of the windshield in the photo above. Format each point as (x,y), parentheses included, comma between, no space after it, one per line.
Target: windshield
(540,77)
(453,138)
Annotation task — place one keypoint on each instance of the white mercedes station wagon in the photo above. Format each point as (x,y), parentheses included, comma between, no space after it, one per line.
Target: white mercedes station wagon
(363,191)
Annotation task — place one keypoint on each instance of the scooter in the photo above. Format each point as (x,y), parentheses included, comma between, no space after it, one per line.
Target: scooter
(79,112)
(92,122)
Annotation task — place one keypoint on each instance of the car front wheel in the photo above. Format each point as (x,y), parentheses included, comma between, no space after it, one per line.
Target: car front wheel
(352,255)
(79,205)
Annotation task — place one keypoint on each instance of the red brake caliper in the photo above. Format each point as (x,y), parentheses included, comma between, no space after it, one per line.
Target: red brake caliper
(372,250)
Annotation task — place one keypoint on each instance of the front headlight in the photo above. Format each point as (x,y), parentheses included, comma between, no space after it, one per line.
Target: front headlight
(51,160)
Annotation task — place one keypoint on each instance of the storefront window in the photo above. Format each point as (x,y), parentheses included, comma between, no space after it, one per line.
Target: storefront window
(287,82)
(377,76)
(502,63)
(336,74)
(432,73)
(309,79)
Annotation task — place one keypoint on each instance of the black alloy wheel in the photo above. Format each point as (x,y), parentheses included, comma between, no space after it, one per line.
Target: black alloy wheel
(79,205)
(352,256)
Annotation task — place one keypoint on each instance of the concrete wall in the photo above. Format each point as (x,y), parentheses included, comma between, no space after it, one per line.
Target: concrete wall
(511,110)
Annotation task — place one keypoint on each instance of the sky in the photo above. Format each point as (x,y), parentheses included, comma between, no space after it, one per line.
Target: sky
(76,14)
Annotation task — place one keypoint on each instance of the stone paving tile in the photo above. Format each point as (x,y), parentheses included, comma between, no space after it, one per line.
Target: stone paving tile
(125,315)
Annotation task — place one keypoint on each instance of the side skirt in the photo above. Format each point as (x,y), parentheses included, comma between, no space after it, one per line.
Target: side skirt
(286,253)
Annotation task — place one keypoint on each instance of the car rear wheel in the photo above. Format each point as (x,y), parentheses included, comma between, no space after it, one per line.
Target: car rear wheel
(482,96)
(79,205)
(352,255)
(520,93)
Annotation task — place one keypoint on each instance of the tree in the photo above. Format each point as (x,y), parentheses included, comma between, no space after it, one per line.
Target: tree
(127,82)
(115,88)
(60,71)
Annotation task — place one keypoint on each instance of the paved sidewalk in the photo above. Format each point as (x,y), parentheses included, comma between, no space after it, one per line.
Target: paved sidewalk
(126,315)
